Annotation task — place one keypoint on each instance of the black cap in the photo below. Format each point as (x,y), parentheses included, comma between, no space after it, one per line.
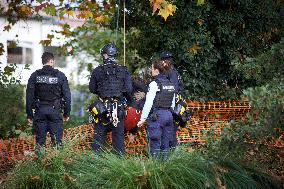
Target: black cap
(166,55)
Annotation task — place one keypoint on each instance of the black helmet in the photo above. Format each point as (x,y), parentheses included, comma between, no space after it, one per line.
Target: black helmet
(109,49)
(166,55)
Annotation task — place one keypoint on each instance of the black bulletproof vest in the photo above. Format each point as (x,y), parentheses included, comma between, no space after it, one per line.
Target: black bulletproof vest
(111,81)
(165,96)
(47,88)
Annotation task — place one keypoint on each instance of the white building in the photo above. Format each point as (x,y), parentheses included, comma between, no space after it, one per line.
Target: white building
(27,35)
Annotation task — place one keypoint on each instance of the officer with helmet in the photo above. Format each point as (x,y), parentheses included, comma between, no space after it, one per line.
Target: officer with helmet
(47,89)
(112,83)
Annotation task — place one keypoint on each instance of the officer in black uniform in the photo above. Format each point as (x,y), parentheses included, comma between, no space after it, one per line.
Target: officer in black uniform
(157,110)
(112,83)
(173,74)
(175,78)
(47,90)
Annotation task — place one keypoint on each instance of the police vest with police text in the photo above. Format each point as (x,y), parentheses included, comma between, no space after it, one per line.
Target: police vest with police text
(47,88)
(164,97)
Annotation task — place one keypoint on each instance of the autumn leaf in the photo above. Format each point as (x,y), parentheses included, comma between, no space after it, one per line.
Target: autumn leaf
(25,10)
(167,11)
(200,2)
(2,49)
(12,44)
(200,22)
(41,6)
(35,178)
(85,15)
(66,32)
(38,8)
(68,178)
(156,4)
(100,19)
(107,6)
(194,49)
(89,14)
(7,28)
(8,70)
(70,13)
(46,42)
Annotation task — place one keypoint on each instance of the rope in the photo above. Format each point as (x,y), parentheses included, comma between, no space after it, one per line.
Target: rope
(124,36)
(117,20)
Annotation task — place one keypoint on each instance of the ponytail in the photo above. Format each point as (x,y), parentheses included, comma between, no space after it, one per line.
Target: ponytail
(162,65)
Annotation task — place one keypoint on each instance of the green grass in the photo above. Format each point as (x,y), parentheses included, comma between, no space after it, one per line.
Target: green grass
(67,169)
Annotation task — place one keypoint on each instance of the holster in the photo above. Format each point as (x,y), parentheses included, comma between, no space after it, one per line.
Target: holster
(153,116)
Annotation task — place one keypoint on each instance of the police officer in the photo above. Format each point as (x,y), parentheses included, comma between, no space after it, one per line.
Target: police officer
(112,83)
(173,74)
(175,78)
(160,99)
(47,89)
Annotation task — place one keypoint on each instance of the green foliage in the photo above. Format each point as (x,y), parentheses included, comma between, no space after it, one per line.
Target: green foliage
(206,39)
(67,169)
(6,75)
(267,67)
(12,109)
(249,139)
(92,37)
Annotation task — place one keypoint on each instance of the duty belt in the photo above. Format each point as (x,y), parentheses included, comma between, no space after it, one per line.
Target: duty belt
(54,104)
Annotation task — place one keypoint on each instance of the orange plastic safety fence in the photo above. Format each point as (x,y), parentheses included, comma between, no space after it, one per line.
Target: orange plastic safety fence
(205,116)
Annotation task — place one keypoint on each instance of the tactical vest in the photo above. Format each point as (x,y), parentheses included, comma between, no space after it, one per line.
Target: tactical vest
(47,88)
(111,82)
(164,97)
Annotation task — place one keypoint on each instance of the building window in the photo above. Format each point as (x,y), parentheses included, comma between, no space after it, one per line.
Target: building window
(60,60)
(20,53)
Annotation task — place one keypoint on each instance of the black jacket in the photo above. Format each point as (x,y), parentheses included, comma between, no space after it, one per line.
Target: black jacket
(52,79)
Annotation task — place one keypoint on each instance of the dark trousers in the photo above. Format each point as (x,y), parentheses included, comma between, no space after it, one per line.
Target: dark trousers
(101,130)
(174,142)
(160,132)
(48,119)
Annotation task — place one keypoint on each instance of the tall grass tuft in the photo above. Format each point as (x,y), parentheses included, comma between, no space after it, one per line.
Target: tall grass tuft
(49,172)
(181,169)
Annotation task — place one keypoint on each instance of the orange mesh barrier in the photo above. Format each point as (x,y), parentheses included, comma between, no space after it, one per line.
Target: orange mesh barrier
(205,116)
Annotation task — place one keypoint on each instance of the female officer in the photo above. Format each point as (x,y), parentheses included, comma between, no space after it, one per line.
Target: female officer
(160,99)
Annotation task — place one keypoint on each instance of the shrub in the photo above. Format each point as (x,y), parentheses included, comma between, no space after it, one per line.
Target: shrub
(12,110)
